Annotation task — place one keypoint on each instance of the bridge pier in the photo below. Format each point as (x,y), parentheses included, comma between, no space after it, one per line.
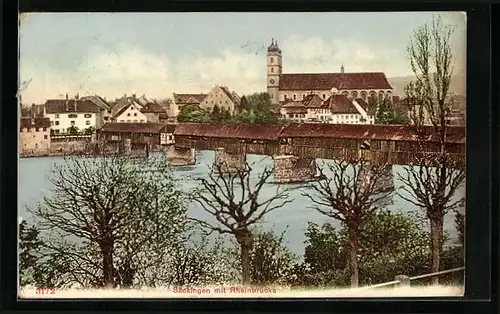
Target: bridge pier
(289,168)
(180,156)
(229,162)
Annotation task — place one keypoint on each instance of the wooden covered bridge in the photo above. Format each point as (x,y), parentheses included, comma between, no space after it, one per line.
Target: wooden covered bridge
(293,145)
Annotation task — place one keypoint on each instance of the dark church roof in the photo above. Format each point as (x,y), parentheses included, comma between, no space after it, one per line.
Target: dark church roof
(326,81)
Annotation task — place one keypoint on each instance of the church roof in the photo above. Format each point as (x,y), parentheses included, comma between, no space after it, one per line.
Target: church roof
(326,81)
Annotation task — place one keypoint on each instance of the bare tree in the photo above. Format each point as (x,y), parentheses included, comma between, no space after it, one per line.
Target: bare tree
(111,220)
(434,179)
(351,192)
(235,202)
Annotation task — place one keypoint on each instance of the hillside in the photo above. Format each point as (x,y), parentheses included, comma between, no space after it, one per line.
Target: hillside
(458,83)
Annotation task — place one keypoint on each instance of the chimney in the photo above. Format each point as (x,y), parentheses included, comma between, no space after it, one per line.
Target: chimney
(67,102)
(76,101)
(133,95)
(342,68)
(32,110)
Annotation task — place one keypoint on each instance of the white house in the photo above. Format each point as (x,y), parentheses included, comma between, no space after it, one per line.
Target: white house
(66,113)
(129,111)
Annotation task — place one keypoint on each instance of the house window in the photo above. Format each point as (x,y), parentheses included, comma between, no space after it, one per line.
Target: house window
(72,115)
(294,97)
(135,121)
(142,121)
(44,129)
(45,137)
(132,108)
(122,121)
(57,116)
(87,122)
(105,118)
(72,122)
(324,96)
(128,120)
(272,59)
(135,114)
(87,115)
(272,70)
(109,111)
(128,114)
(284,97)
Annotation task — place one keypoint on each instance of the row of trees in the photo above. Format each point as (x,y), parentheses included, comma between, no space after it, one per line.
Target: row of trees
(254,108)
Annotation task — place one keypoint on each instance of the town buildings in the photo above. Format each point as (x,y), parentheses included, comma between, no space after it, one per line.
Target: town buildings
(34,136)
(296,86)
(335,109)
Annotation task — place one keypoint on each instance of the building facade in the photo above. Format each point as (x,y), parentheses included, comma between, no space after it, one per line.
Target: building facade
(129,112)
(152,111)
(296,86)
(34,136)
(77,114)
(221,97)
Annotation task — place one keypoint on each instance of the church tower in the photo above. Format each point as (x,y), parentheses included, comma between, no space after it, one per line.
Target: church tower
(274,70)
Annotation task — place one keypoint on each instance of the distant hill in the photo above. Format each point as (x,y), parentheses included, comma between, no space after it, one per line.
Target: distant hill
(458,83)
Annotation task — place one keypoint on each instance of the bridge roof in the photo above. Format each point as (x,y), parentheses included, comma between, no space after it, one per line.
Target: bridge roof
(368,131)
(240,131)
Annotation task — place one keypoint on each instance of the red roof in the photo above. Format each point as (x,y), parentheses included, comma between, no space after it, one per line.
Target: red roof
(456,134)
(340,104)
(71,105)
(368,131)
(132,127)
(240,131)
(326,81)
(34,123)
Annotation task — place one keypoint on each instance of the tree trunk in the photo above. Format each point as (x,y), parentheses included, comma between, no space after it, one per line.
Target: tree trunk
(245,239)
(353,245)
(107,264)
(436,246)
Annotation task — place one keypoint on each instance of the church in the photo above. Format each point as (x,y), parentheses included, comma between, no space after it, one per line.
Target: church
(296,86)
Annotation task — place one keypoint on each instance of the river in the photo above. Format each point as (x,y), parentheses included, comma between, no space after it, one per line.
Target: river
(34,184)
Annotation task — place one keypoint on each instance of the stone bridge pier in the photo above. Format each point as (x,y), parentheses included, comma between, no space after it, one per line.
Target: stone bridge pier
(229,162)
(180,156)
(289,168)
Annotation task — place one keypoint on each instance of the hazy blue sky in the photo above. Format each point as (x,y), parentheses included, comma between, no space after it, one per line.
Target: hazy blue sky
(160,53)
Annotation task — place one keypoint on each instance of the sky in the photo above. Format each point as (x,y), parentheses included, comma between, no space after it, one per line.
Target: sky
(157,54)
